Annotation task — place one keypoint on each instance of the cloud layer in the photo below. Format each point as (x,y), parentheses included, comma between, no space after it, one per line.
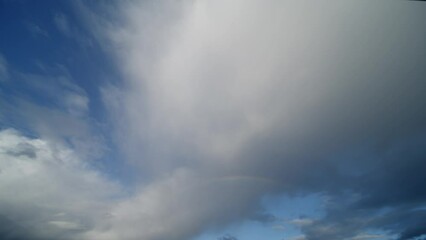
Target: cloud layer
(221,104)
(301,97)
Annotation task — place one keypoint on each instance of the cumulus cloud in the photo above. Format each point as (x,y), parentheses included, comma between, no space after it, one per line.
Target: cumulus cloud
(47,191)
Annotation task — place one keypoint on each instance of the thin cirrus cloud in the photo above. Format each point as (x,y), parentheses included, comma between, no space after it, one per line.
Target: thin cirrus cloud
(222,103)
(62,24)
(4,71)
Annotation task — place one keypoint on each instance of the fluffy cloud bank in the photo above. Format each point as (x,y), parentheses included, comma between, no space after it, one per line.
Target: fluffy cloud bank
(47,192)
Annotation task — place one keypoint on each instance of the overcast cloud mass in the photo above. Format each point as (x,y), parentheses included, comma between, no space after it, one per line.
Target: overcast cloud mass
(169,120)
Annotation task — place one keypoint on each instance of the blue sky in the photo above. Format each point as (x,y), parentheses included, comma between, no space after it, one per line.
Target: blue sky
(224,120)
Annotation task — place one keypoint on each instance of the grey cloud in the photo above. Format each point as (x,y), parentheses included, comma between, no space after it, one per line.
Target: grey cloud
(10,230)
(404,224)
(306,100)
(387,196)
(23,149)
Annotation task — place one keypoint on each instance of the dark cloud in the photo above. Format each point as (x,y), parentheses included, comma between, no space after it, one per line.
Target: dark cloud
(10,230)
(23,149)
(388,196)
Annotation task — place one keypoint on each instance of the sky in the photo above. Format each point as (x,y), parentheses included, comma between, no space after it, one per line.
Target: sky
(222,120)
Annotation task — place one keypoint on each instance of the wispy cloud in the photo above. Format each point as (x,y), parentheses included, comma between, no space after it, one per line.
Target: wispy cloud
(51,105)
(61,22)
(58,89)
(36,30)
(301,222)
(4,69)
(369,236)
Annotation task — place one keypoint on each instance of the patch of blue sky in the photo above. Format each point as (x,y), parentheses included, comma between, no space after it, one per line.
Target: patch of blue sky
(290,213)
(295,207)
(48,51)
(54,63)
(249,230)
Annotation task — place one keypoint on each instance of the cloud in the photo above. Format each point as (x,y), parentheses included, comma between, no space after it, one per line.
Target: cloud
(52,105)
(4,69)
(77,104)
(308,101)
(36,30)
(301,221)
(368,236)
(54,87)
(298,238)
(387,197)
(264,217)
(177,206)
(59,89)
(224,103)
(61,22)
(63,198)
(227,237)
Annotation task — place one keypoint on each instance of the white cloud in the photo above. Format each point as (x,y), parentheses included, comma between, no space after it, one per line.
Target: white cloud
(179,205)
(48,190)
(366,236)
(300,222)
(62,126)
(77,104)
